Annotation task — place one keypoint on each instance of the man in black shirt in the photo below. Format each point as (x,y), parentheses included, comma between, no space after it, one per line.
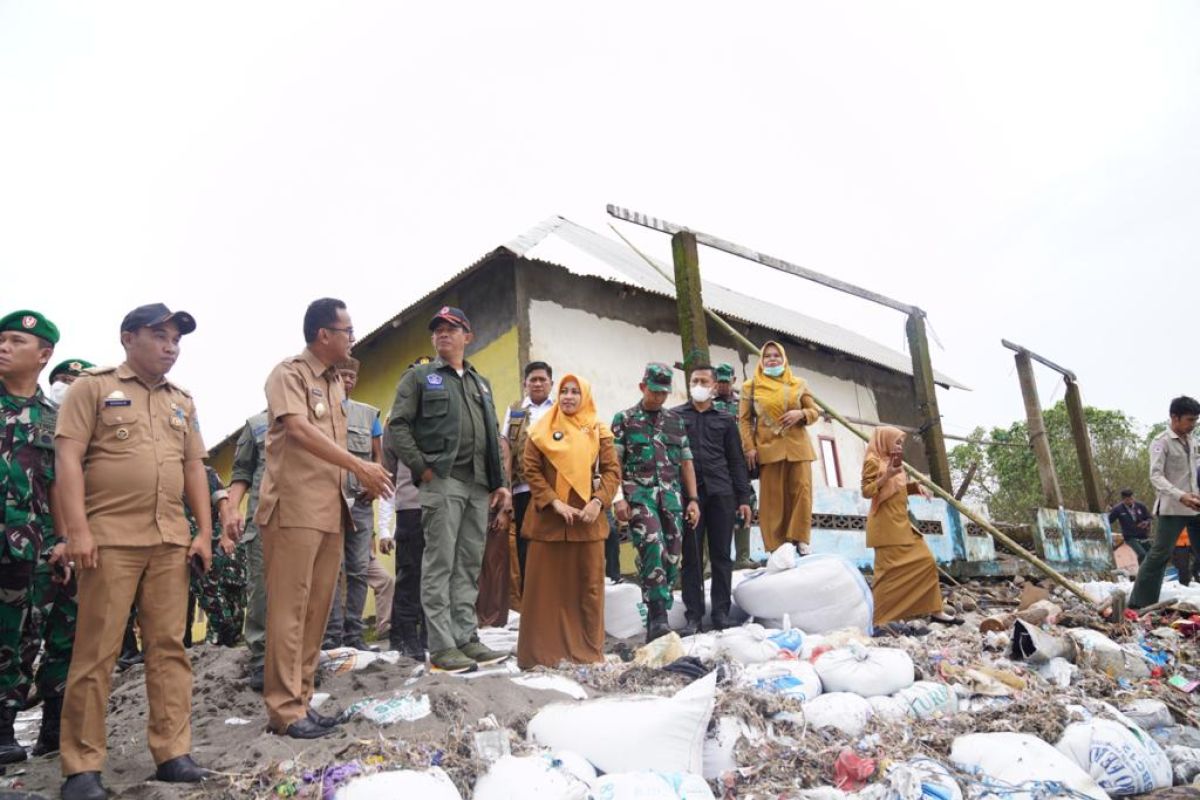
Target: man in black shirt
(724,489)
(1134,518)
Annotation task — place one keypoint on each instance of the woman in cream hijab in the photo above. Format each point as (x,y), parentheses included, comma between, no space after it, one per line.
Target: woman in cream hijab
(906,577)
(573,474)
(773,415)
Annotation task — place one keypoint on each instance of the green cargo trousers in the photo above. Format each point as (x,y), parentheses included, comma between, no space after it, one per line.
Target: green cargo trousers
(256,601)
(454,517)
(1150,574)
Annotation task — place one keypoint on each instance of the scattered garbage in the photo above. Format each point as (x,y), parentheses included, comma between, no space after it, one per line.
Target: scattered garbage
(347,659)
(1095,650)
(652,786)
(619,734)
(921,779)
(1148,714)
(865,671)
(397,707)
(844,599)
(660,652)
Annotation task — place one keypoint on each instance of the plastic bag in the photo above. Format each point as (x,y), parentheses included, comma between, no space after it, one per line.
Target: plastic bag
(865,671)
(652,786)
(387,709)
(820,593)
(660,652)
(748,644)
(1097,651)
(921,778)
(720,747)
(846,712)
(1024,763)
(1148,714)
(795,679)
(624,612)
(346,659)
(1121,757)
(619,734)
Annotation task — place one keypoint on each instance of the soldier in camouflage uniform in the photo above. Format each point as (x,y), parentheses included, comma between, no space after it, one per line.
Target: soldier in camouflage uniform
(249,464)
(29,552)
(727,401)
(222,590)
(652,445)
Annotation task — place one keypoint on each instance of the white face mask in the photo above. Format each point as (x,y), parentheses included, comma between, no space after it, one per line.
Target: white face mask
(58,392)
(701,394)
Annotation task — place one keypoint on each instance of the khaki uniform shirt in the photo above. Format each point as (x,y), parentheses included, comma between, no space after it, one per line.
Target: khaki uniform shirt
(304,490)
(138,438)
(1173,462)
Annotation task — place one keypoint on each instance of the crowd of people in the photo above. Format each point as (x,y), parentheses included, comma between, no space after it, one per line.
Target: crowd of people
(111,516)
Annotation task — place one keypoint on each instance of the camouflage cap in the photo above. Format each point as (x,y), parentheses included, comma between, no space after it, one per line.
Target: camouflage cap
(658,376)
(72,366)
(350,364)
(32,322)
(724,373)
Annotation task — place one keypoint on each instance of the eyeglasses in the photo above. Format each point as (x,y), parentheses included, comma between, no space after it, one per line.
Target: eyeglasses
(348,331)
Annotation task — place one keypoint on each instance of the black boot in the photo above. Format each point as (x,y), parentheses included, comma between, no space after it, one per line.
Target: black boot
(10,751)
(656,620)
(47,741)
(408,643)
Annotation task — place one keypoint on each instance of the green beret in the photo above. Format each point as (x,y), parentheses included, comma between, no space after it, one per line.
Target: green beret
(72,366)
(657,376)
(30,322)
(724,373)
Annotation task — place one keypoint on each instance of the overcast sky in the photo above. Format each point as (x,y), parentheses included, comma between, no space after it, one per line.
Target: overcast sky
(1020,170)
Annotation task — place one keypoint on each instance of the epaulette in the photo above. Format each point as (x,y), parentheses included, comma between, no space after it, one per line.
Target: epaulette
(179,389)
(98,370)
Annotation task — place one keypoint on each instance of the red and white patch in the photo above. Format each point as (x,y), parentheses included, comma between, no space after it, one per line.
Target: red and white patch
(29,322)
(445,310)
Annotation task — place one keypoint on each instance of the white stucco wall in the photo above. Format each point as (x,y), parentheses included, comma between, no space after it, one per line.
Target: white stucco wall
(612,354)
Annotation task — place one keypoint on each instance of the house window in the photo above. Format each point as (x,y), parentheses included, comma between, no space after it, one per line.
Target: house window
(829,461)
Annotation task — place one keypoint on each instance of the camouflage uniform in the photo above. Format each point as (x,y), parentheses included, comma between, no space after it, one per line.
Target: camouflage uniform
(651,446)
(26,473)
(222,590)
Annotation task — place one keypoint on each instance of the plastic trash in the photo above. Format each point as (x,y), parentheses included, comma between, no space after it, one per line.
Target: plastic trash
(720,746)
(624,612)
(432,784)
(846,712)
(652,786)
(1148,714)
(865,671)
(1120,756)
(541,777)
(1097,651)
(346,659)
(501,639)
(703,645)
(1025,764)
(820,593)
(660,652)
(921,778)
(1031,643)
(619,734)
(1058,671)
(851,771)
(929,699)
(552,683)
(387,709)
(1185,763)
(788,678)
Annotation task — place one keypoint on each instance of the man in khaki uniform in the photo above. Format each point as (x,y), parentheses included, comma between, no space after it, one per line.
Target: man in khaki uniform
(128,450)
(302,513)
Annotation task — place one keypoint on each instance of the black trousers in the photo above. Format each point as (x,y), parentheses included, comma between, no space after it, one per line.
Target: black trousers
(410,549)
(520,506)
(716,531)
(612,550)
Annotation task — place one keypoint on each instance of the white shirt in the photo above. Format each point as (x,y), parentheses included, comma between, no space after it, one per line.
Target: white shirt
(533,413)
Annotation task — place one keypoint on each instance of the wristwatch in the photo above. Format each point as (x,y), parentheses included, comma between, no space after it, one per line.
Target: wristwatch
(693,500)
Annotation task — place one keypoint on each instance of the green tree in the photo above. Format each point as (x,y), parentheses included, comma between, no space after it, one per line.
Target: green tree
(1006,476)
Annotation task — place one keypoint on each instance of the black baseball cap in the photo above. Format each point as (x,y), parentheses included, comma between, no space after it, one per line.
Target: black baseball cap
(454,316)
(157,314)
(1127,493)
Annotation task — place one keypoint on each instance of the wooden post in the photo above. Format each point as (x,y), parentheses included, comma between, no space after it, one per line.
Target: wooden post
(927,407)
(693,329)
(1083,446)
(1051,492)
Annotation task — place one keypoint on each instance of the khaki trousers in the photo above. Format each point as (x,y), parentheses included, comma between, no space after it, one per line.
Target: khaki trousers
(785,503)
(384,586)
(157,578)
(302,566)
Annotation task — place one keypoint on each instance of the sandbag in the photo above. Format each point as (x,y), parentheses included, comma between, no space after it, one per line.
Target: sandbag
(540,777)
(652,786)
(1023,762)
(890,709)
(787,678)
(846,712)
(720,746)
(820,593)
(621,734)
(865,671)
(1097,651)
(624,612)
(1148,714)
(748,644)
(1121,757)
(702,645)
(928,699)
(431,784)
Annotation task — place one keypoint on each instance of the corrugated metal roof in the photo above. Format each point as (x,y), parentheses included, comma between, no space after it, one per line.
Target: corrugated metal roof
(582,251)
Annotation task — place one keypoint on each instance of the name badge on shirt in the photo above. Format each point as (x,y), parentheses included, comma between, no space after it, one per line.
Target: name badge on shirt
(433,379)
(117,403)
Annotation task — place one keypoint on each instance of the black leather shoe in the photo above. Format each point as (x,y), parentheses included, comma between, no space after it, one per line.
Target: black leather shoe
(83,786)
(322,720)
(180,770)
(306,729)
(256,679)
(690,628)
(718,623)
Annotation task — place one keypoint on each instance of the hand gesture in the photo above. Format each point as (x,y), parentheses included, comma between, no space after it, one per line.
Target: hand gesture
(621,511)
(58,558)
(387,545)
(568,514)
(590,512)
(793,417)
(234,525)
(202,546)
(82,550)
(374,479)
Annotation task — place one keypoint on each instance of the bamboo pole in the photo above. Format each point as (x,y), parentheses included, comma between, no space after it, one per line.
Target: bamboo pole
(921,478)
